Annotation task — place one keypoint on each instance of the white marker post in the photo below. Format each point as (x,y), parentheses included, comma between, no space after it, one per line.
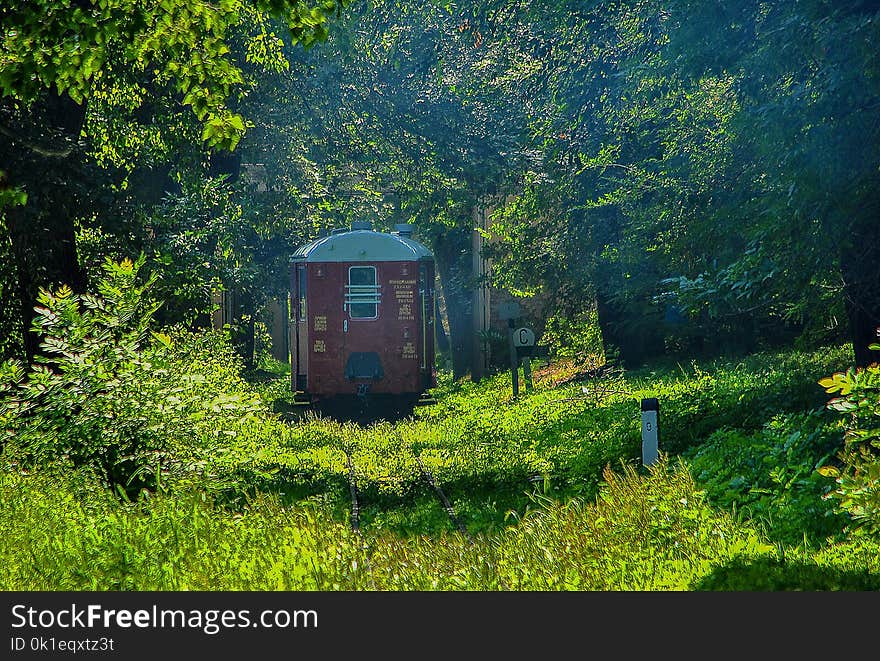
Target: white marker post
(650,430)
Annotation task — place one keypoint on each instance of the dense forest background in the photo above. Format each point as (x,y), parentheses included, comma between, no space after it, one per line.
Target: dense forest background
(688,193)
(694,177)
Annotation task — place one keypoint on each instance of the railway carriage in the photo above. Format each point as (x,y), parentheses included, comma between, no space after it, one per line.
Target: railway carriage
(362,308)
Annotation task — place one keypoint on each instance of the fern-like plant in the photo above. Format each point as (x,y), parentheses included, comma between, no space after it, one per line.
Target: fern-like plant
(858,476)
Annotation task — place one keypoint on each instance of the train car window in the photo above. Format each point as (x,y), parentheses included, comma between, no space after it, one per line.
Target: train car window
(362,293)
(301,289)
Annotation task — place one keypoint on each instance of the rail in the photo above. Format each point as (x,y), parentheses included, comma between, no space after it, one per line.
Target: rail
(354,517)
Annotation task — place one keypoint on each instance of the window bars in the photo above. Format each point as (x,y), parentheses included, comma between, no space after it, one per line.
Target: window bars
(362,295)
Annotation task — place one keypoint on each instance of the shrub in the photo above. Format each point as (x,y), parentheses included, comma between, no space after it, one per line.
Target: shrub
(858,476)
(109,393)
(81,400)
(771,475)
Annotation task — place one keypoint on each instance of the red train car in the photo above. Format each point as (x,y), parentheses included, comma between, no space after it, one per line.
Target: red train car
(363,305)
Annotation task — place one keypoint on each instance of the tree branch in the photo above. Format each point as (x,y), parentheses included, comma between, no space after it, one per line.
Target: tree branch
(42,151)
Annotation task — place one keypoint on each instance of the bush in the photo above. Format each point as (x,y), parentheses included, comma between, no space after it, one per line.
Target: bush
(858,476)
(113,395)
(82,400)
(771,475)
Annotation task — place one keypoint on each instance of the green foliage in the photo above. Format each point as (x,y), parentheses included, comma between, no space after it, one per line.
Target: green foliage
(11,197)
(78,538)
(707,159)
(110,394)
(771,477)
(483,447)
(82,51)
(212,236)
(78,401)
(200,241)
(530,479)
(858,478)
(799,573)
(650,532)
(576,336)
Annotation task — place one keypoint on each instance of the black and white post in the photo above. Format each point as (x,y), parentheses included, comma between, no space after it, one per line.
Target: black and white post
(524,344)
(650,430)
(514,358)
(510,312)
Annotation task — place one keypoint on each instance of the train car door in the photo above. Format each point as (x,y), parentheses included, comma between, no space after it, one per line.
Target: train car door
(325,335)
(299,346)
(362,341)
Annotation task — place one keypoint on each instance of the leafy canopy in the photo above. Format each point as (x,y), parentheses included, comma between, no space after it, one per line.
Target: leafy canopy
(80,47)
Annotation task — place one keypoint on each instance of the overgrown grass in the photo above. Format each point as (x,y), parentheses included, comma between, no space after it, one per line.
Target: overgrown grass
(262,504)
(652,532)
(490,453)
(644,532)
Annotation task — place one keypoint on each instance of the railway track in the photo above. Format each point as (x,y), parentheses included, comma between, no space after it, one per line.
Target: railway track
(354,516)
(450,511)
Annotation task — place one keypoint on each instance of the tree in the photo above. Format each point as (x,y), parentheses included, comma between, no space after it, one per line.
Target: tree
(807,144)
(57,57)
(401,119)
(719,160)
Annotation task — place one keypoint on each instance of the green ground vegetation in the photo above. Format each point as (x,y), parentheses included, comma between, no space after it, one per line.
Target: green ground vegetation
(143,460)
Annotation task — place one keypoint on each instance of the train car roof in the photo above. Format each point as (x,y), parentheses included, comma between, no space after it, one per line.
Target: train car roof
(360,245)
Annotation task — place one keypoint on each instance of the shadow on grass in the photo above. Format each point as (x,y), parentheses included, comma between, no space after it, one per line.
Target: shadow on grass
(772,575)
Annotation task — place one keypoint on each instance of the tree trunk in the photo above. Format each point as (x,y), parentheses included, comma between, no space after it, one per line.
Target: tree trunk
(860,269)
(453,259)
(442,338)
(43,159)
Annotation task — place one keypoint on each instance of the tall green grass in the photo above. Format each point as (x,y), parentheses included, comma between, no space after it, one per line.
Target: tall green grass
(261,504)
(489,452)
(644,532)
